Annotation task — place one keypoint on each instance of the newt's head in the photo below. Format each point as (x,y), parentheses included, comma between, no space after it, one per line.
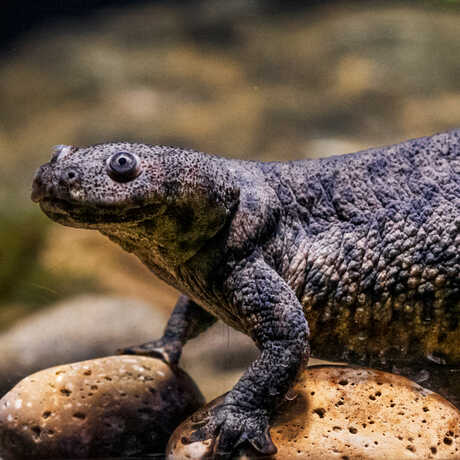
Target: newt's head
(156,192)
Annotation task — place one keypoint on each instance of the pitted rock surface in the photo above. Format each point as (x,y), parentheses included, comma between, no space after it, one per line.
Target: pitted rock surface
(340,412)
(116,406)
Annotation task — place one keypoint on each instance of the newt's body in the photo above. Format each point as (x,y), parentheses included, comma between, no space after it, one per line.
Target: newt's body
(363,247)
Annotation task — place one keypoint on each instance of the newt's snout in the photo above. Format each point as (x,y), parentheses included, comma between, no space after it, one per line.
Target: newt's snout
(39,189)
(47,184)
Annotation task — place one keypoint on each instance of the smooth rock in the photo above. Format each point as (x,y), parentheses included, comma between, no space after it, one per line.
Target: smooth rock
(116,406)
(91,326)
(217,358)
(84,327)
(341,412)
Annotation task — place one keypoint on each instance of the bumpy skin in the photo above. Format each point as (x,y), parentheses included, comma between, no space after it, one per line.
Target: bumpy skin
(363,246)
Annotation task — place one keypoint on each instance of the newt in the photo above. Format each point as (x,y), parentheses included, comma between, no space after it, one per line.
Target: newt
(353,257)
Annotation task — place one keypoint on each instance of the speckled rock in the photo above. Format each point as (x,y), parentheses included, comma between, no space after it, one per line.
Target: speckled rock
(341,412)
(117,406)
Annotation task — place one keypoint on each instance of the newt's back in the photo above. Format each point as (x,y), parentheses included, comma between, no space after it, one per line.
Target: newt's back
(373,251)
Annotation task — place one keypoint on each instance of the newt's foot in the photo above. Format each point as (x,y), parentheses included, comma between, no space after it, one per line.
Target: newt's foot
(167,351)
(230,425)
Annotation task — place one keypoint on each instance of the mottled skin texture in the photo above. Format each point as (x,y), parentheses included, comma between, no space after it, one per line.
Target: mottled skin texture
(365,247)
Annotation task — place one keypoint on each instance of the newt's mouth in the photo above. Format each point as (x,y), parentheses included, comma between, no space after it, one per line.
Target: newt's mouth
(76,214)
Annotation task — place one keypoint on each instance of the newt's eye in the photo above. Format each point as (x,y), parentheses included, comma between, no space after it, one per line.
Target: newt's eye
(123,167)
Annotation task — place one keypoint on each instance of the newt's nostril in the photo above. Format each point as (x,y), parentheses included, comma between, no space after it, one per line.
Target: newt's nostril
(69,176)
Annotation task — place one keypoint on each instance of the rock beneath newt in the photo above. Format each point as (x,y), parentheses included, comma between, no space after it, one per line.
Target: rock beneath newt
(341,412)
(116,406)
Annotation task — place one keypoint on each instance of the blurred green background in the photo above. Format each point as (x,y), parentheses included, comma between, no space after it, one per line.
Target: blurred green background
(249,79)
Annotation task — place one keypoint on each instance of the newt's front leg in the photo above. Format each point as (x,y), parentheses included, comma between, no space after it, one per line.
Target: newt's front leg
(187,321)
(273,317)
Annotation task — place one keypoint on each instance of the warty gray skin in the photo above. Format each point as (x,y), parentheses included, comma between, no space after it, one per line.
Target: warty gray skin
(365,246)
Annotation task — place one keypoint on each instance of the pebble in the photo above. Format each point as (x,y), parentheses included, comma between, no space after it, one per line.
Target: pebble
(116,406)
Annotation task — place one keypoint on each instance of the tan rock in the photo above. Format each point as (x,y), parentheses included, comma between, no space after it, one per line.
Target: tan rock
(114,406)
(344,413)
